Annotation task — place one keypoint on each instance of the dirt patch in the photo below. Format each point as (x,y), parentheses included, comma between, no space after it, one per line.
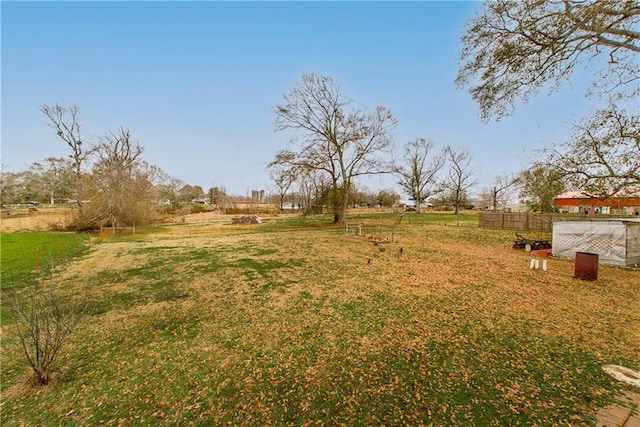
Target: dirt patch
(44,219)
(47,219)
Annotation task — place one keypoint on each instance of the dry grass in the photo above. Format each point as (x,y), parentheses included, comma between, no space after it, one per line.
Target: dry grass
(278,324)
(43,219)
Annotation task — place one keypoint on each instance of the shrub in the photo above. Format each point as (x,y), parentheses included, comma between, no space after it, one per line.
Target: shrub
(43,325)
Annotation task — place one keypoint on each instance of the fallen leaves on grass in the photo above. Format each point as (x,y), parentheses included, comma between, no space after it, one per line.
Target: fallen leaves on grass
(297,328)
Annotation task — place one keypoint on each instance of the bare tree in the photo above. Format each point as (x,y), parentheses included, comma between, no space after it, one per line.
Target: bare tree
(65,122)
(54,177)
(43,324)
(25,185)
(418,179)
(359,195)
(497,194)
(513,48)
(11,188)
(122,182)
(283,178)
(460,175)
(343,143)
(313,185)
(603,156)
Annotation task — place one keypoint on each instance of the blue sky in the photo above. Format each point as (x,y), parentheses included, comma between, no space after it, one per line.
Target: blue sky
(197,82)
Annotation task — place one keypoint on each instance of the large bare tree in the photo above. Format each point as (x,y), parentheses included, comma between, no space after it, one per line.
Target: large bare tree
(332,137)
(66,123)
(460,176)
(514,48)
(122,182)
(418,177)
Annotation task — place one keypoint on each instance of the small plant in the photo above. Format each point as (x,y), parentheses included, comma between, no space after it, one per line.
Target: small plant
(43,325)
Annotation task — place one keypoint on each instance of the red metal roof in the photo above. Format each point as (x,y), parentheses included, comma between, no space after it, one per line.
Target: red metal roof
(584,200)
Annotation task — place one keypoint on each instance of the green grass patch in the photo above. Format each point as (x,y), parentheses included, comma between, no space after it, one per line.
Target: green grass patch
(27,257)
(22,253)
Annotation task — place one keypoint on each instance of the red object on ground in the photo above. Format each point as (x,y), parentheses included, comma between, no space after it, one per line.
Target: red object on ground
(586,266)
(541,252)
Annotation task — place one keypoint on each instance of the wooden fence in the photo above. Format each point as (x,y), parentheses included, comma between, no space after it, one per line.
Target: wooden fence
(526,221)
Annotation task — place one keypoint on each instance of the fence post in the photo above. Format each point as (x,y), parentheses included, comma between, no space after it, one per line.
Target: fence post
(37,264)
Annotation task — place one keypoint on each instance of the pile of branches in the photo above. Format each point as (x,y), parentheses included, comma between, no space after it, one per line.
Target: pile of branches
(246,219)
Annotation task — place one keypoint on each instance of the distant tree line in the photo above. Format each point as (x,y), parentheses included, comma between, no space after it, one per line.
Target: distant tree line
(511,51)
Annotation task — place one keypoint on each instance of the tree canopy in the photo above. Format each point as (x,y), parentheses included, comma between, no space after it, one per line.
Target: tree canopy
(514,48)
(539,185)
(603,156)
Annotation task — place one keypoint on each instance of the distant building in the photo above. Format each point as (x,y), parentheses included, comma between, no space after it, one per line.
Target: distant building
(581,202)
(257,196)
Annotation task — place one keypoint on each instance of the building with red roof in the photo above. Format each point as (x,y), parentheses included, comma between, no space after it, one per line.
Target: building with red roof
(581,202)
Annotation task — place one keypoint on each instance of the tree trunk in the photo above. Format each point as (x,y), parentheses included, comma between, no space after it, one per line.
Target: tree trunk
(342,199)
(79,189)
(42,375)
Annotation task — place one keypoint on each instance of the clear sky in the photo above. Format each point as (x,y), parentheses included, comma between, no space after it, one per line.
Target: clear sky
(196,83)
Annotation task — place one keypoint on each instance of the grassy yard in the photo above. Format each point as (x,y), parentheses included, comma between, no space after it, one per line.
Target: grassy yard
(293,322)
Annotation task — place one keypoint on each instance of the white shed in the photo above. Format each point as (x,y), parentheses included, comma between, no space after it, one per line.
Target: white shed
(616,241)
